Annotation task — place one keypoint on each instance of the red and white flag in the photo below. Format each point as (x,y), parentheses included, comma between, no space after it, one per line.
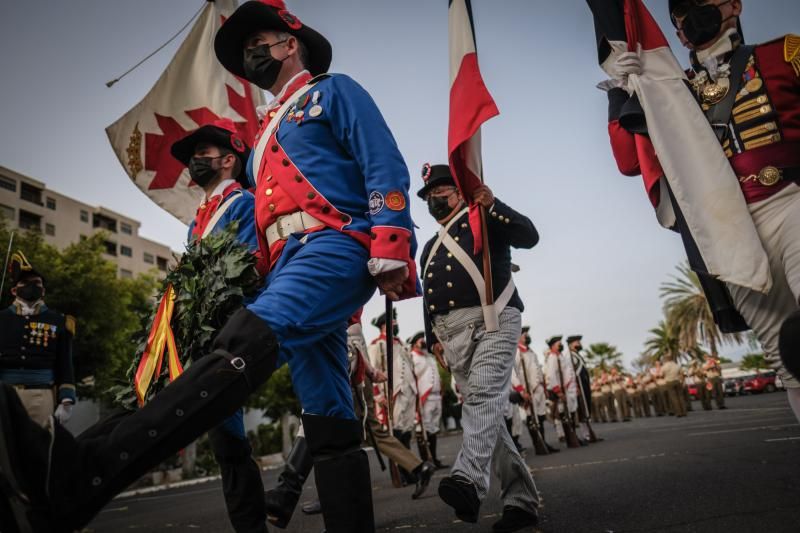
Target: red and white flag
(470,106)
(194,90)
(698,173)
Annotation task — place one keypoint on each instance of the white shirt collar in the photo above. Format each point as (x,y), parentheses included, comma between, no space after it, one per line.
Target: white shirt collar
(220,188)
(28,310)
(714,53)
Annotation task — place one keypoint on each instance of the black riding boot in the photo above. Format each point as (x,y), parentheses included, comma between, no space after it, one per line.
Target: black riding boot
(282,500)
(341,471)
(789,344)
(86,472)
(241,481)
(423,450)
(432,443)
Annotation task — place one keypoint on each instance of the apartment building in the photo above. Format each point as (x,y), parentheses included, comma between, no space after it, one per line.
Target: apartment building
(29,205)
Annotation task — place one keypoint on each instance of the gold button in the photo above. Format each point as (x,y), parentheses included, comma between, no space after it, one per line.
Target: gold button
(430,275)
(271,207)
(432,307)
(311,195)
(507,220)
(269,192)
(298,178)
(456,239)
(449,254)
(494,214)
(463,224)
(449,285)
(448,268)
(430,291)
(452,303)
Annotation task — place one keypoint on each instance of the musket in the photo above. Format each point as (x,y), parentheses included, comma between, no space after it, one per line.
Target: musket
(359,388)
(397,481)
(419,415)
(539,444)
(566,418)
(585,405)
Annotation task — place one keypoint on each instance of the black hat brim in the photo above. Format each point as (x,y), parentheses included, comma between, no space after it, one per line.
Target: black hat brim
(252,17)
(184,149)
(574,338)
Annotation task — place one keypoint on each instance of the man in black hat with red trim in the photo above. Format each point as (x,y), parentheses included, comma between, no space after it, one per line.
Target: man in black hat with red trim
(36,347)
(333,225)
(216,157)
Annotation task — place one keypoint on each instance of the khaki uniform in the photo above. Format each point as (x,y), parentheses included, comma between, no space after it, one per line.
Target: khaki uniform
(703,394)
(598,407)
(618,389)
(672,375)
(641,386)
(608,398)
(634,400)
(714,376)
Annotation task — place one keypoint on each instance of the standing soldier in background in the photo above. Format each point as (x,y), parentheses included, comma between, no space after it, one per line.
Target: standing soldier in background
(663,393)
(429,387)
(584,383)
(598,404)
(36,347)
(634,398)
(699,376)
(404,395)
(644,397)
(530,372)
(653,394)
(713,374)
(561,381)
(608,396)
(686,380)
(672,378)
(621,397)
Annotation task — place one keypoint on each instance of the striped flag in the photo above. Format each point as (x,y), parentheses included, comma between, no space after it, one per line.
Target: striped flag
(470,106)
(698,173)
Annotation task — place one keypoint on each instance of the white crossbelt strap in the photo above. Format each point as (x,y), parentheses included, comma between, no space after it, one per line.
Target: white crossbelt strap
(438,242)
(293,223)
(261,147)
(221,211)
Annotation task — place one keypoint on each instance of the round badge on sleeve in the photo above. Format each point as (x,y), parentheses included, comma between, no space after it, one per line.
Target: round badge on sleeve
(376,203)
(395,201)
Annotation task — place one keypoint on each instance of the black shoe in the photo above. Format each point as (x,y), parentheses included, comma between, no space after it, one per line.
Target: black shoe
(424,473)
(789,344)
(552,449)
(312,507)
(282,500)
(459,493)
(583,442)
(515,519)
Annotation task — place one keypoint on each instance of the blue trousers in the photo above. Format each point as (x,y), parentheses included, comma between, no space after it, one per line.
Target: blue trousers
(319,282)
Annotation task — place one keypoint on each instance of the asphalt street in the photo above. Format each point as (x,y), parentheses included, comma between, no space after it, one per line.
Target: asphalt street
(736,470)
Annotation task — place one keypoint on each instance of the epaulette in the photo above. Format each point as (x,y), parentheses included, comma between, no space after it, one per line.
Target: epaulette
(318,78)
(791,51)
(70,323)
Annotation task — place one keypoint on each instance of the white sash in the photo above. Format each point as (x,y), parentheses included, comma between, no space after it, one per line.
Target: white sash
(221,211)
(258,154)
(442,232)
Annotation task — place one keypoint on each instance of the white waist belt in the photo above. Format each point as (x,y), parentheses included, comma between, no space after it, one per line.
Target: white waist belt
(293,223)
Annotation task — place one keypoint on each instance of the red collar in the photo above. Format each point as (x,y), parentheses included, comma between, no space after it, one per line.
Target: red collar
(522,348)
(292,88)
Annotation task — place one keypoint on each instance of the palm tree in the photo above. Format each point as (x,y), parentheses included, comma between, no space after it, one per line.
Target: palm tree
(687,309)
(604,356)
(663,342)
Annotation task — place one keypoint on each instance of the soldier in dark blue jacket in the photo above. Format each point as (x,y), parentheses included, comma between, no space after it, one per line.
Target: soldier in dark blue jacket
(36,347)
(481,360)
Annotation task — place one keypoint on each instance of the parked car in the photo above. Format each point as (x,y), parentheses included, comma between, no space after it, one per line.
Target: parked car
(761,383)
(732,387)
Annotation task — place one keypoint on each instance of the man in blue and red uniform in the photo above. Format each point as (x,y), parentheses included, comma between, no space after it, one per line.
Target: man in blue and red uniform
(333,224)
(760,135)
(216,157)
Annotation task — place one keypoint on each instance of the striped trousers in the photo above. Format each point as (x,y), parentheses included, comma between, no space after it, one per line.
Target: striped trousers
(481,364)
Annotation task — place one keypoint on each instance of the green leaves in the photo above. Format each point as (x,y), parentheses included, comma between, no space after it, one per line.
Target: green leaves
(210,282)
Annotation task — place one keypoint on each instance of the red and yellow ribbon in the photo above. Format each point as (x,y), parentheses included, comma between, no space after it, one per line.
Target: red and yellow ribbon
(160,337)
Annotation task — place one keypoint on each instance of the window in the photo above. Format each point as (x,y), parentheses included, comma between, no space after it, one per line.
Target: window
(30,221)
(105,223)
(149,259)
(6,212)
(126,251)
(125,273)
(8,184)
(51,203)
(125,228)
(161,263)
(31,194)
(49,229)
(84,216)
(111,247)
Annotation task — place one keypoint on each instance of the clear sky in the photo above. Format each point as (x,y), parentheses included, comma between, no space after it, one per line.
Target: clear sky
(602,256)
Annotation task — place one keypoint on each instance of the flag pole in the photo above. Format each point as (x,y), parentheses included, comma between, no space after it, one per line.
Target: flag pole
(5,265)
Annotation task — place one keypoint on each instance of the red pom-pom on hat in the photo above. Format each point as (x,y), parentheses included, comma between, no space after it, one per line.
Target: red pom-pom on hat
(277,4)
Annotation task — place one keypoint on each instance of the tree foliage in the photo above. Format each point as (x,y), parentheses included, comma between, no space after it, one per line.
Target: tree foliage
(663,342)
(753,361)
(604,356)
(81,282)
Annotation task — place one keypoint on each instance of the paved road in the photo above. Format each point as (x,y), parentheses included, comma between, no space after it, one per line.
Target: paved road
(736,470)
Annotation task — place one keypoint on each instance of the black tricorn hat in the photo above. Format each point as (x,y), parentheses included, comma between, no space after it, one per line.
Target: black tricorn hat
(268,15)
(221,133)
(573,338)
(380,320)
(417,336)
(554,339)
(20,269)
(433,176)
(526,329)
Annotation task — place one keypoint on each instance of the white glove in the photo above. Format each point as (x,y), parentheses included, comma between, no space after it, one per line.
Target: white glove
(64,412)
(626,64)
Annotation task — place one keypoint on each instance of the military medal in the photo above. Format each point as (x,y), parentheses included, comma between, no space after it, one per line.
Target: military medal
(713,93)
(316,109)
(753,85)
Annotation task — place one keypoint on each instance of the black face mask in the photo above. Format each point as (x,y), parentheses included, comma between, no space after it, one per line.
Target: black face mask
(703,23)
(578,347)
(30,292)
(438,207)
(260,67)
(527,340)
(202,171)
